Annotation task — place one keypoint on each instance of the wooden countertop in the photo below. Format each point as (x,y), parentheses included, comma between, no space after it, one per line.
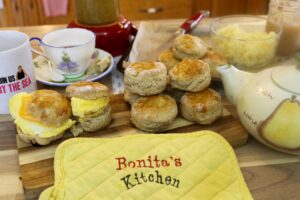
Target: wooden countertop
(269,174)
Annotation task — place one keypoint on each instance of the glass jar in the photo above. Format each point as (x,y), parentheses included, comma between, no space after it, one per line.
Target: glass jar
(97,12)
(286,13)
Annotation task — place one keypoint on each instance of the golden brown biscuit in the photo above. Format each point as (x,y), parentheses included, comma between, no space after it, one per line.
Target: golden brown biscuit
(190,75)
(154,113)
(146,78)
(174,93)
(130,97)
(168,59)
(201,107)
(35,139)
(87,90)
(50,107)
(93,124)
(188,46)
(214,59)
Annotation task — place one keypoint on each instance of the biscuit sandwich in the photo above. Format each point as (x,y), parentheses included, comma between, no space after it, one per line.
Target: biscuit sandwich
(90,106)
(42,116)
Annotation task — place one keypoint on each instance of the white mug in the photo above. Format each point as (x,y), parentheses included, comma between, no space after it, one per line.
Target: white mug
(16,68)
(69,50)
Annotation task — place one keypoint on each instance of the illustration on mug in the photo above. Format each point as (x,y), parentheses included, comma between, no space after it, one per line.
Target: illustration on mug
(20,73)
(66,64)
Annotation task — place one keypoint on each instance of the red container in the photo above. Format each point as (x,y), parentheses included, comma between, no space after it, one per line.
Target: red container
(114,38)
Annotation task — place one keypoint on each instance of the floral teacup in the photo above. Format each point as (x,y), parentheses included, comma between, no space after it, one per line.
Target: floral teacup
(69,50)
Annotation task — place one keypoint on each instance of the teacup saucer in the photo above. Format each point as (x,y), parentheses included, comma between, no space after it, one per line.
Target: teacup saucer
(43,72)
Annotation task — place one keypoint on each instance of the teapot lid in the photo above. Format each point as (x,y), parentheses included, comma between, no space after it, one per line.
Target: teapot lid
(288,77)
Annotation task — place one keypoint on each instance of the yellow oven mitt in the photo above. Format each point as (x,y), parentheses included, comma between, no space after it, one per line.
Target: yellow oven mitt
(199,165)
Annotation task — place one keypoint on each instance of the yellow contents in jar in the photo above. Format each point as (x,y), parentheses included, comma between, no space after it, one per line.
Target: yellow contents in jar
(248,50)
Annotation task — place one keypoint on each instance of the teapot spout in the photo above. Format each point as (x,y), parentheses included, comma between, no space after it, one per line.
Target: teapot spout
(233,81)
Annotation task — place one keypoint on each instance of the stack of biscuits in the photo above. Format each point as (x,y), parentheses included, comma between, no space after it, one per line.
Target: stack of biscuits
(182,76)
(151,110)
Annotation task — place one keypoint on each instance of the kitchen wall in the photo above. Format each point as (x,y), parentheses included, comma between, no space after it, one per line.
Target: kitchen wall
(31,12)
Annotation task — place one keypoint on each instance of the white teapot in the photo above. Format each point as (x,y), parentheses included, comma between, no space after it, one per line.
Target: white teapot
(268,103)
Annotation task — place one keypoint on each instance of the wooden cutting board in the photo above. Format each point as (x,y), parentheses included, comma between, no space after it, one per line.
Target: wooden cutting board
(36,163)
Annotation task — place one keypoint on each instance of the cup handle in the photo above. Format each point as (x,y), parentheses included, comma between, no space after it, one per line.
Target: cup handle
(36,51)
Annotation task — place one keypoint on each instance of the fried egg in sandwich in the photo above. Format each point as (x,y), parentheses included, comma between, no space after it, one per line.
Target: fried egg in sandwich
(41,116)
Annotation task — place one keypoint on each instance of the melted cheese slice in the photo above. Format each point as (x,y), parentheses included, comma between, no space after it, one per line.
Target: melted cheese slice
(26,99)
